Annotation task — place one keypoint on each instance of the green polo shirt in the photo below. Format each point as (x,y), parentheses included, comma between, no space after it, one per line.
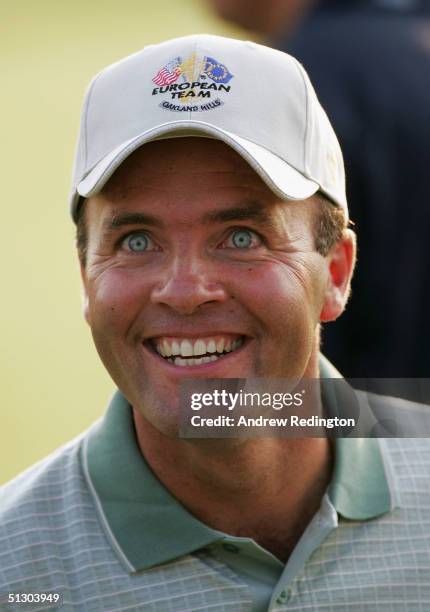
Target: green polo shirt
(147,527)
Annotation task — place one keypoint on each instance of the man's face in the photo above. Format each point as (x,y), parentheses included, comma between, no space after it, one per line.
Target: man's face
(196,269)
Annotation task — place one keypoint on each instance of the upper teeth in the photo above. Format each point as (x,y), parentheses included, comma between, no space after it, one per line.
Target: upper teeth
(184,347)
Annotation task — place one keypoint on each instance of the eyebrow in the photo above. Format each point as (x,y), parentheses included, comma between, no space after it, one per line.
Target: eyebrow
(123,218)
(248,211)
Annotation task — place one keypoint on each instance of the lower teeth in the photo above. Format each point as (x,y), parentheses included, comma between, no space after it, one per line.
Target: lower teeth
(179,361)
(196,361)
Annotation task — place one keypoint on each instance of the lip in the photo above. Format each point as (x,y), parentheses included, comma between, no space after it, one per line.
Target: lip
(207,370)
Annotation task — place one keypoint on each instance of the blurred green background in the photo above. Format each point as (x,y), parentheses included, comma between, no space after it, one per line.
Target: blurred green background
(53,383)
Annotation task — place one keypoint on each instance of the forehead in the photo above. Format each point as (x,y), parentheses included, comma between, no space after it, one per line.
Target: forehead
(188,162)
(182,180)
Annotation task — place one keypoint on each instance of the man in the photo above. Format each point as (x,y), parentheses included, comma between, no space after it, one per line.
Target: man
(366,60)
(213,241)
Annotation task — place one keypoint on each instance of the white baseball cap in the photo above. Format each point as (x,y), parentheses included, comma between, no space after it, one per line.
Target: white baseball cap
(257,100)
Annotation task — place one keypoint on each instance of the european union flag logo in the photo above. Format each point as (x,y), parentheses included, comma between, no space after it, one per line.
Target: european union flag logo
(216,71)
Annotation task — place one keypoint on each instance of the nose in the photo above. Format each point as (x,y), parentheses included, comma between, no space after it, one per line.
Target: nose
(187,285)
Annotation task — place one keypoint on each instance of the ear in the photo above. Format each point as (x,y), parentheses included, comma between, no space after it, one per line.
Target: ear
(85,300)
(341,262)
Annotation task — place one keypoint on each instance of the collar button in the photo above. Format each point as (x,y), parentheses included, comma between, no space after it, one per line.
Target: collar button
(284,597)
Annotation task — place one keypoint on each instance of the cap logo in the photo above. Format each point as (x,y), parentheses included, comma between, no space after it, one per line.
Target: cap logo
(194,84)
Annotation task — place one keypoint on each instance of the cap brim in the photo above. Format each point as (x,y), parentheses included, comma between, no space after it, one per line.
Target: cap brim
(284,180)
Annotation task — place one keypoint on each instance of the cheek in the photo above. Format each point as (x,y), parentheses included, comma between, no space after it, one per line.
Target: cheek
(282,292)
(287,303)
(115,299)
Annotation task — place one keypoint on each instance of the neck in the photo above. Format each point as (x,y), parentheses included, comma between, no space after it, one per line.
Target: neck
(267,489)
(270,494)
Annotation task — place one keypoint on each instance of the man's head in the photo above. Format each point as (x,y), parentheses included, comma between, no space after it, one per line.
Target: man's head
(217,252)
(188,247)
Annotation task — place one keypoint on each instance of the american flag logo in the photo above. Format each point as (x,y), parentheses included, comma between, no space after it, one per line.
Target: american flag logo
(169,73)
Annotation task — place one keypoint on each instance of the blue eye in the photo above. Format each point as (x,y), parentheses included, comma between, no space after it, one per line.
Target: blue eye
(242,239)
(137,242)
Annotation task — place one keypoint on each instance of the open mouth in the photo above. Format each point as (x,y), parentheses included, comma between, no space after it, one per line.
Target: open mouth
(196,351)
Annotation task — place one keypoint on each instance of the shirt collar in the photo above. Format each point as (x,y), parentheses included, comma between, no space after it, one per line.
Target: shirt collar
(147,526)
(363,484)
(144,522)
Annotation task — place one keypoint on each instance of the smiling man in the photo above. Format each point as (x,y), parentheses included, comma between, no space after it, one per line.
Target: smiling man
(209,199)
(176,246)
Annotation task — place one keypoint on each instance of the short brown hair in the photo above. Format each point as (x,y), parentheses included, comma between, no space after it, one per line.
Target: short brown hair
(329,225)
(81,232)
